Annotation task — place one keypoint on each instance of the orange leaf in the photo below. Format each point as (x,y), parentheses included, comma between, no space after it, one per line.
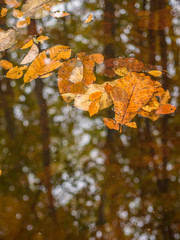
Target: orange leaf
(46,75)
(3,12)
(89,18)
(59,14)
(110,123)
(17,13)
(94,107)
(12,3)
(41,39)
(28,44)
(155,73)
(5,64)
(14,73)
(108,88)
(131,124)
(165,109)
(23,23)
(95,96)
(47,61)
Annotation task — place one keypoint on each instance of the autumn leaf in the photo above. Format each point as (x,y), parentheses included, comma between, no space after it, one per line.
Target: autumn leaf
(28,44)
(128,64)
(95,96)
(5,64)
(89,18)
(121,71)
(7,39)
(30,56)
(94,107)
(110,123)
(12,3)
(41,39)
(131,124)
(17,13)
(46,75)
(3,12)
(47,61)
(166,109)
(131,93)
(77,73)
(14,73)
(59,14)
(23,23)
(155,73)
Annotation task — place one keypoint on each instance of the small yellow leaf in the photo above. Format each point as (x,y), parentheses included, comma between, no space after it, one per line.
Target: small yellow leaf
(5,64)
(121,71)
(155,73)
(17,13)
(41,39)
(89,18)
(23,23)
(14,73)
(28,44)
(3,12)
(131,124)
(94,107)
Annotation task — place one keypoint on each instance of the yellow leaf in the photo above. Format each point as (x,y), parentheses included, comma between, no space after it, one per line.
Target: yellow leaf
(5,64)
(131,124)
(28,44)
(47,61)
(121,71)
(46,75)
(3,12)
(155,73)
(25,67)
(41,39)
(89,18)
(23,23)
(17,13)
(14,73)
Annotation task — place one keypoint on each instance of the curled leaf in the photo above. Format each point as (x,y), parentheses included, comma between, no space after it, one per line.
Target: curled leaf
(89,18)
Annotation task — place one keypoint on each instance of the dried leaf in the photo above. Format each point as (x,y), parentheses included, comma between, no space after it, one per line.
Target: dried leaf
(28,44)
(108,88)
(12,3)
(68,97)
(121,71)
(152,105)
(17,13)
(30,56)
(155,73)
(77,73)
(89,18)
(95,96)
(3,12)
(131,124)
(47,61)
(166,109)
(131,64)
(7,39)
(59,14)
(23,23)
(5,64)
(94,107)
(110,123)
(41,39)
(130,94)
(14,73)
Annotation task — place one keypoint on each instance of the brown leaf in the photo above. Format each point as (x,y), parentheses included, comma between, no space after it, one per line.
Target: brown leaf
(94,107)
(47,61)
(108,88)
(5,64)
(166,109)
(129,63)
(110,123)
(130,94)
(14,73)
(30,56)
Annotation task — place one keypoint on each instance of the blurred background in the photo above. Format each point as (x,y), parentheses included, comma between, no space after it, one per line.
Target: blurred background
(64,175)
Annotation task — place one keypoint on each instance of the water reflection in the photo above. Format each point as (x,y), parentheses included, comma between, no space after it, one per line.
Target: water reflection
(63,174)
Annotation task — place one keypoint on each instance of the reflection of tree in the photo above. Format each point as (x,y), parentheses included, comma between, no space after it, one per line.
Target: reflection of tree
(115,186)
